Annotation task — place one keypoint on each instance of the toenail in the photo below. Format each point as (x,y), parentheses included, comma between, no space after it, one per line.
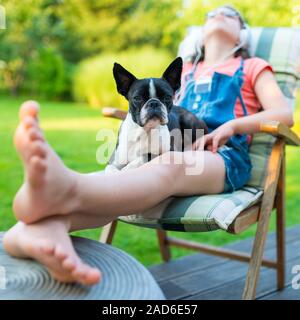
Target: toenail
(28,122)
(29,107)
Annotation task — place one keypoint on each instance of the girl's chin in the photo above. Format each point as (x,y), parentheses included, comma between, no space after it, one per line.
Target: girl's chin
(220,30)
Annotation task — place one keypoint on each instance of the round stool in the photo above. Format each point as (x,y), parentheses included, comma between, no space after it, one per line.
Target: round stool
(123,277)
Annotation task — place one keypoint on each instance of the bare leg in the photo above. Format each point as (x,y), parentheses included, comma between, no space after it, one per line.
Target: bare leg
(51,193)
(50,188)
(48,242)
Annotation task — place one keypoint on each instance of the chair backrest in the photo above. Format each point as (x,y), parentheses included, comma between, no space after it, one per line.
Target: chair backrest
(279,46)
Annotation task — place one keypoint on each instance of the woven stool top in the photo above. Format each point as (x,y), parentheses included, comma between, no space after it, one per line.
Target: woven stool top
(123,277)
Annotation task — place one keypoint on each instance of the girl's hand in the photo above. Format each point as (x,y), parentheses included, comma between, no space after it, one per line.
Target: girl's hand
(212,141)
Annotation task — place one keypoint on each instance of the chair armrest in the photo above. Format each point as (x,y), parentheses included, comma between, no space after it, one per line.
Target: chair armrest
(114,113)
(280,130)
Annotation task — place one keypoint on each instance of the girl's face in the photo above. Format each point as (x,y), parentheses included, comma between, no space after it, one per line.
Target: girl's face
(223,21)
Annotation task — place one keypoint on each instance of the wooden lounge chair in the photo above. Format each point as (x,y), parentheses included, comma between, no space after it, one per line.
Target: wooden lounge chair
(235,212)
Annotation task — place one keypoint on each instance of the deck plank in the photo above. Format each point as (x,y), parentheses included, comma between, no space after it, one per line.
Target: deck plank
(288,293)
(200,276)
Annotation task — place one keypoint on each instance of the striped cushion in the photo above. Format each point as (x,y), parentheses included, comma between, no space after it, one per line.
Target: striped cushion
(260,151)
(281,47)
(197,213)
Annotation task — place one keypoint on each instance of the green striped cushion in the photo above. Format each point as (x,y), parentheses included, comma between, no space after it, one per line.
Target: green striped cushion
(197,213)
(281,48)
(260,151)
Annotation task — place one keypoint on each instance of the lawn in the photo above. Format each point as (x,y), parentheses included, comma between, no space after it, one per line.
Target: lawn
(71,129)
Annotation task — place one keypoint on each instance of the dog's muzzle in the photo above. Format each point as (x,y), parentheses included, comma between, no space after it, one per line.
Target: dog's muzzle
(154,109)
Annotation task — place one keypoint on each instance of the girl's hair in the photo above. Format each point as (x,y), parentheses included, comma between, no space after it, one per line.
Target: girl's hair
(243,52)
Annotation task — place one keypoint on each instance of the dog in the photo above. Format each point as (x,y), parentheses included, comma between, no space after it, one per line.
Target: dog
(149,127)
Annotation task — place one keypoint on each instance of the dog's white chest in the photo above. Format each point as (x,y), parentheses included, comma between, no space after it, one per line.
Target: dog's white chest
(139,142)
(135,143)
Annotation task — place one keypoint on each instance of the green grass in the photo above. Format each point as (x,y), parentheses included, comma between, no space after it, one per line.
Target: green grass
(71,129)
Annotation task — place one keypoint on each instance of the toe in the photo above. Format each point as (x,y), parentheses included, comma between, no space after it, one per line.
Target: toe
(29,122)
(79,274)
(92,276)
(29,108)
(38,148)
(35,134)
(69,264)
(95,276)
(60,253)
(47,247)
(86,274)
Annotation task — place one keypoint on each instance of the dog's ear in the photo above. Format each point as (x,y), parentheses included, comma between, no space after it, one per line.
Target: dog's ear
(123,78)
(173,74)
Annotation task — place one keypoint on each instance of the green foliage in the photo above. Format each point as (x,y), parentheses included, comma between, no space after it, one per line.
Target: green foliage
(36,35)
(46,74)
(75,30)
(94,82)
(268,13)
(113,25)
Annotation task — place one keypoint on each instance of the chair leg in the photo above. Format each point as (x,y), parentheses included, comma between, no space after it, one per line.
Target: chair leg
(263,222)
(163,245)
(280,226)
(108,232)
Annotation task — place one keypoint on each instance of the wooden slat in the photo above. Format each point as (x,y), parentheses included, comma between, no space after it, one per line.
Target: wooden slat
(163,245)
(114,113)
(221,252)
(280,225)
(245,220)
(279,129)
(263,223)
(108,231)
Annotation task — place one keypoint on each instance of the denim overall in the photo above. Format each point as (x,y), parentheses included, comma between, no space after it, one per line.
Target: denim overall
(216,106)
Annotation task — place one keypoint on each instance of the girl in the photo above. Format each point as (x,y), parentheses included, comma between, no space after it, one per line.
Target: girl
(55,200)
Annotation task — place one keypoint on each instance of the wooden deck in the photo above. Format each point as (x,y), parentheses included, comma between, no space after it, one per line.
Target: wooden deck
(204,277)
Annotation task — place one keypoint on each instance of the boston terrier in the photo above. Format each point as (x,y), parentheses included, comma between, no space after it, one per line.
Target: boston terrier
(153,125)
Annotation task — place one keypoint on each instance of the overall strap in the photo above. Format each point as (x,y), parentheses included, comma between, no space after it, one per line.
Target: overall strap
(242,103)
(187,79)
(239,73)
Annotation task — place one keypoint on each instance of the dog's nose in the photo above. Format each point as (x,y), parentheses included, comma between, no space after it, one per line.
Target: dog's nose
(154,103)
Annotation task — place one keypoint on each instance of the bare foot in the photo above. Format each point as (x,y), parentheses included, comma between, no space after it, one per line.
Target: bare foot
(49,187)
(48,242)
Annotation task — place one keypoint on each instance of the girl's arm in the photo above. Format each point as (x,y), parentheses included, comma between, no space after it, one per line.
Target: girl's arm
(275,107)
(273,102)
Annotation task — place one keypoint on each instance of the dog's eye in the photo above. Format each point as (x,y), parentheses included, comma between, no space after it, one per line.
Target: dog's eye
(137,99)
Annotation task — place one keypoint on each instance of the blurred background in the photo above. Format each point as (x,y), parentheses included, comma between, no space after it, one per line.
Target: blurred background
(61,52)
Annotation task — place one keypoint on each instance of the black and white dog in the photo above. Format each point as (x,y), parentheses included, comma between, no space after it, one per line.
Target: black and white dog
(152,124)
